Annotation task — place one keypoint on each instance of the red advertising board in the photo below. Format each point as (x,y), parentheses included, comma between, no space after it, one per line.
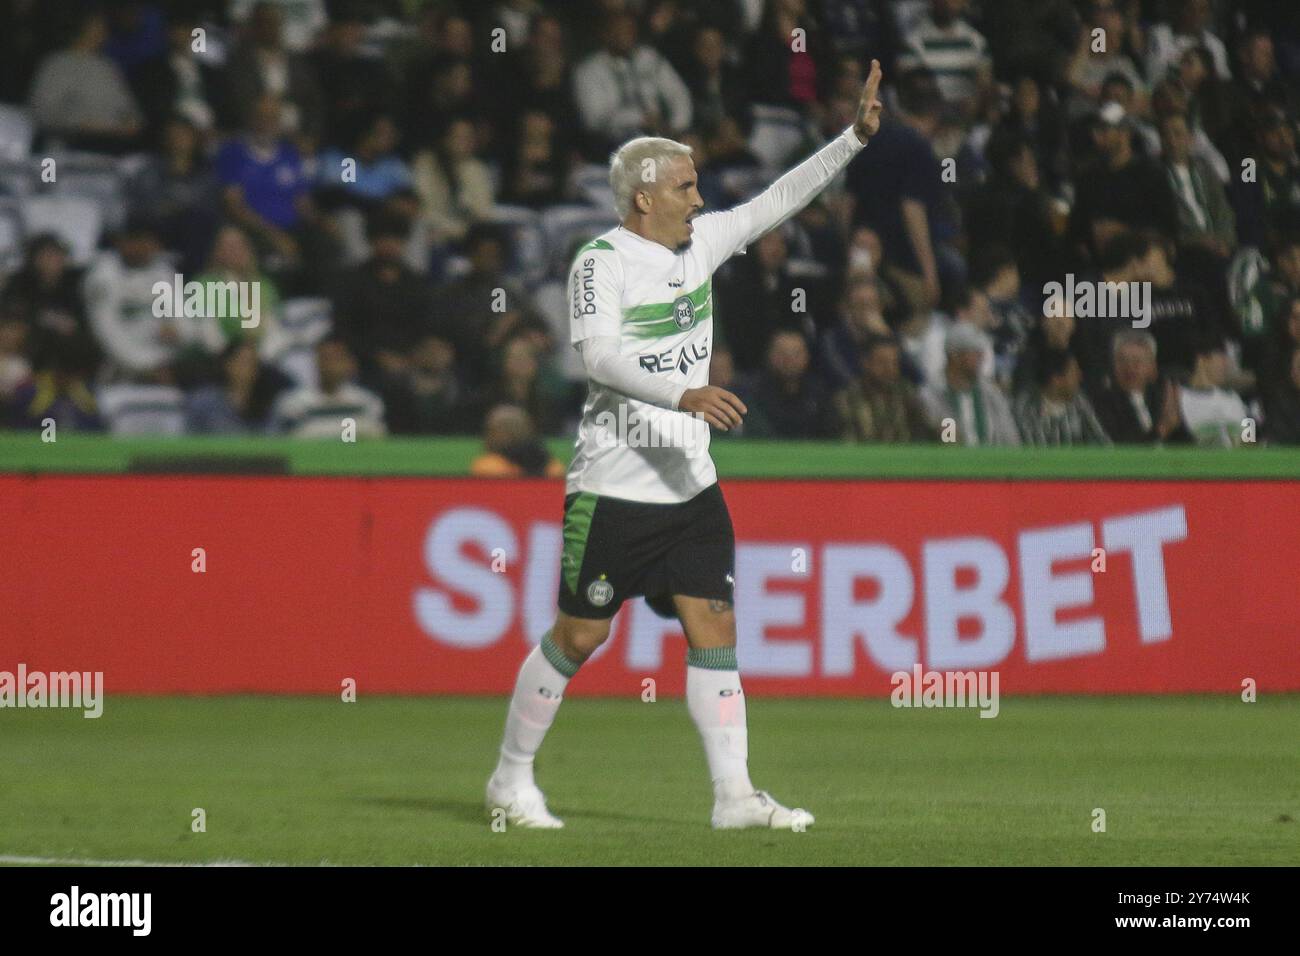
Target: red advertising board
(439,586)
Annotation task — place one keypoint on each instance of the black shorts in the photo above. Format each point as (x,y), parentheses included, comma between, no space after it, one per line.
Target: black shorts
(616,549)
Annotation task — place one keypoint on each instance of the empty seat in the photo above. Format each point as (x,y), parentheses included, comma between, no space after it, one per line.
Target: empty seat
(16,132)
(78,221)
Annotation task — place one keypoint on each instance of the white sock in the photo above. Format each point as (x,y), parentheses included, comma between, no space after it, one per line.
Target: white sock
(538,692)
(717,705)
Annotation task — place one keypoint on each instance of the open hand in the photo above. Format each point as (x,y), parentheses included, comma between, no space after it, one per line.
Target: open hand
(868,122)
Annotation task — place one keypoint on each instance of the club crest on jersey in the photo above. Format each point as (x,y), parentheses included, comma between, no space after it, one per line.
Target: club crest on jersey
(600,592)
(684,312)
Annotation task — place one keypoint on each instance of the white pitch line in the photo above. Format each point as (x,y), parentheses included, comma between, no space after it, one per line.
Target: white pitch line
(6,860)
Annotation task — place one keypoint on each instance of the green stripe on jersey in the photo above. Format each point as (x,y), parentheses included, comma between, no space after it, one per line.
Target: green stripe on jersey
(656,319)
(595,244)
(577,525)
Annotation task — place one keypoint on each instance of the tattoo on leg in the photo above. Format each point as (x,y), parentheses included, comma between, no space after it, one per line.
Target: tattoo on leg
(719,607)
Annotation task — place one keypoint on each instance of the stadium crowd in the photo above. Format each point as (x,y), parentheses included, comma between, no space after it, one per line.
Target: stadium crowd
(405,183)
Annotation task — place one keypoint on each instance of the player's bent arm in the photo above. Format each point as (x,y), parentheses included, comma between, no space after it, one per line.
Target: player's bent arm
(622,373)
(607,366)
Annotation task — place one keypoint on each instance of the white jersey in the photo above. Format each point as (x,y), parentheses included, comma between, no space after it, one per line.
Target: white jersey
(659,304)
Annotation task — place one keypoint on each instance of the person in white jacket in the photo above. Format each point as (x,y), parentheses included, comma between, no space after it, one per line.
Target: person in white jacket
(628,89)
(130,317)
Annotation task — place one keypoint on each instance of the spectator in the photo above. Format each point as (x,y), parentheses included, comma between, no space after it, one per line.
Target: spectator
(785,399)
(302,20)
(45,299)
(1258,89)
(1012,207)
(1056,331)
(1120,190)
(625,90)
(1181,307)
(997,278)
(263,65)
(519,380)
(59,391)
(1215,416)
(354,87)
(177,188)
(176,81)
(1207,97)
(715,83)
(234,260)
(383,308)
(1057,413)
(438,79)
(536,169)
(454,185)
(896,186)
(1269,207)
(879,405)
(955,52)
(966,407)
(142,343)
(371,170)
(242,401)
(265,185)
(538,81)
(861,319)
(1137,406)
(1283,405)
(780,71)
(1172,99)
(1190,28)
(511,448)
(762,288)
(337,407)
(485,306)
(429,398)
(1033,117)
(1272,353)
(1097,58)
(80,97)
(1205,220)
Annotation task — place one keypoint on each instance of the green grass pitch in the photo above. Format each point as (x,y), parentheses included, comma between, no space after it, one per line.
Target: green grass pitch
(399,780)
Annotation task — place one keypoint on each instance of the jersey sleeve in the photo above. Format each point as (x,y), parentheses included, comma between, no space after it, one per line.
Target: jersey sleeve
(728,232)
(595,292)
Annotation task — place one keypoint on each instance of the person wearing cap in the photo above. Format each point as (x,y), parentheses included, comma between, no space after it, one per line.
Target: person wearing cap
(965,405)
(1121,189)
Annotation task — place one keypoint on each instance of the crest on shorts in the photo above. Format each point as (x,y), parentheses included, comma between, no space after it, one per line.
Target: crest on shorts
(684,312)
(600,592)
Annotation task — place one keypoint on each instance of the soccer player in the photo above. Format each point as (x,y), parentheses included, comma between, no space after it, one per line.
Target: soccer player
(643,513)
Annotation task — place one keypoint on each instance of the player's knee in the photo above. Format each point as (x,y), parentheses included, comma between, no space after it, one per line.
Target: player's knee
(578,639)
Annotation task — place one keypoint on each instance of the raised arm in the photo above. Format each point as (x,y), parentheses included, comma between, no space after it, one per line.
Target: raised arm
(728,232)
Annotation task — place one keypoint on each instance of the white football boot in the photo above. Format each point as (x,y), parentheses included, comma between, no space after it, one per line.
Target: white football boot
(758,809)
(524,806)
